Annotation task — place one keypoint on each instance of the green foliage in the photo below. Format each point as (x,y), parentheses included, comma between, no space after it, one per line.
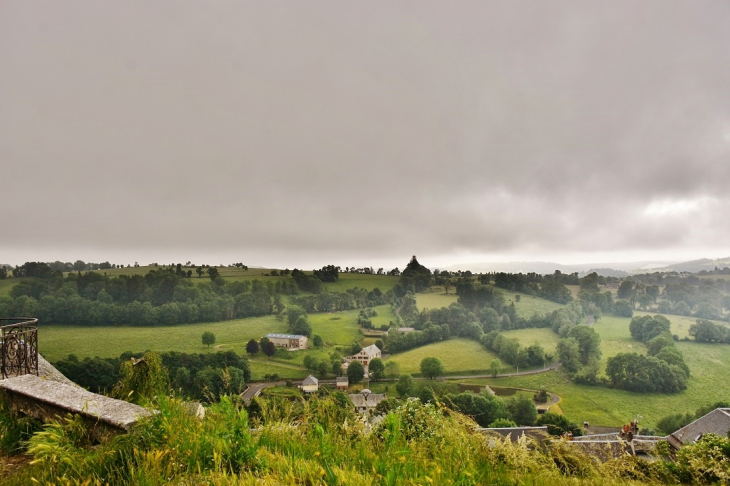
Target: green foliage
(568,351)
(355,372)
(705,331)
(484,409)
(707,461)
(502,422)
(142,379)
(415,275)
(377,369)
(623,308)
(252,347)
(646,328)
(320,441)
(208,338)
(638,373)
(15,428)
(522,410)
(432,367)
(404,386)
(589,343)
(558,424)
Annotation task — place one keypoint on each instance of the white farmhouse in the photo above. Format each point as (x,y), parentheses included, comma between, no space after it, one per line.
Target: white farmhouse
(365,356)
(310,384)
(291,342)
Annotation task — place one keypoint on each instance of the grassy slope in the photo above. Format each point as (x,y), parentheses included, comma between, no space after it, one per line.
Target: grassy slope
(8,283)
(709,365)
(544,337)
(457,355)
(435,300)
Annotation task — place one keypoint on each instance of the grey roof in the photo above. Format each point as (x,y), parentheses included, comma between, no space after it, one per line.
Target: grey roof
(371,350)
(342,379)
(358,399)
(715,422)
(310,380)
(285,336)
(514,433)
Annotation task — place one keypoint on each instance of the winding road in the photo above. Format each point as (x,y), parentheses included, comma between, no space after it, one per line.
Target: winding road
(254,389)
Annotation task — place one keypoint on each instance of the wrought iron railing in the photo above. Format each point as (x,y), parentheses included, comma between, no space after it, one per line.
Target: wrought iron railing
(18,346)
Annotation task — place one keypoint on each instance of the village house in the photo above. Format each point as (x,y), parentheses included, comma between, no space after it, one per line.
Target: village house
(310,384)
(365,356)
(365,401)
(342,383)
(716,422)
(290,342)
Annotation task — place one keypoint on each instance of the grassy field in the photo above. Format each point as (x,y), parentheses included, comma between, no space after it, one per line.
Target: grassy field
(435,300)
(57,342)
(709,365)
(336,328)
(457,355)
(530,305)
(352,280)
(384,317)
(527,337)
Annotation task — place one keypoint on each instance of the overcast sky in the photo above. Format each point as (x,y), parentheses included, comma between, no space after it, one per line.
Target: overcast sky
(360,133)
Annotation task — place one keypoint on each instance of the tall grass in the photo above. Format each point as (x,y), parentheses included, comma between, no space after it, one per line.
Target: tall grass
(313,441)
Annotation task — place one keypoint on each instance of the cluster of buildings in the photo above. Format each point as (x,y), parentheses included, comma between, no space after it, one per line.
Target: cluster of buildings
(365,401)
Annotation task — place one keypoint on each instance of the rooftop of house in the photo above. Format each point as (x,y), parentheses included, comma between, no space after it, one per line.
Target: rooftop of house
(371,350)
(284,336)
(514,433)
(715,422)
(310,380)
(370,401)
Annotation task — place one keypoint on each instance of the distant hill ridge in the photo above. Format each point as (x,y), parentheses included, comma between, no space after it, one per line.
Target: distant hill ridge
(613,269)
(617,269)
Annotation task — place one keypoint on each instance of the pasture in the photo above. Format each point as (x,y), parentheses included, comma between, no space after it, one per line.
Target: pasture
(527,337)
(56,342)
(709,367)
(435,300)
(458,355)
(529,304)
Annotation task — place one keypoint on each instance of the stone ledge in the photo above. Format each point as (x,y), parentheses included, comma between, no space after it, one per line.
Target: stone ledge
(43,399)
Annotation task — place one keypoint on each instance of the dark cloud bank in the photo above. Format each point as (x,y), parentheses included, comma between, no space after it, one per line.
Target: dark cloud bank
(315,132)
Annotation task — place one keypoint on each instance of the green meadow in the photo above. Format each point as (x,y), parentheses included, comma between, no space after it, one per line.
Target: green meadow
(435,300)
(530,305)
(458,355)
(56,342)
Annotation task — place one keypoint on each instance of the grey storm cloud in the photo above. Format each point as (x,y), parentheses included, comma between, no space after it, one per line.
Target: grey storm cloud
(328,130)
